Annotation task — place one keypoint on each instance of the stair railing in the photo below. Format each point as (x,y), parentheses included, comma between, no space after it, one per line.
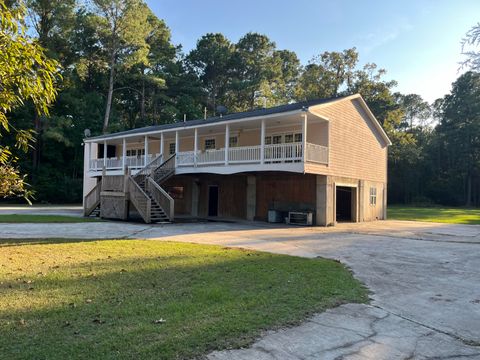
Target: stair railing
(165,201)
(165,170)
(92,199)
(140,199)
(147,169)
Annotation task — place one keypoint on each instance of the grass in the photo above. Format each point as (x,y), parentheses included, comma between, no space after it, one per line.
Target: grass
(30,218)
(125,299)
(435,214)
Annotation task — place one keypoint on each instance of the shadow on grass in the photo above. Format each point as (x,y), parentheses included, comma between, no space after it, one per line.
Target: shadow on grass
(179,301)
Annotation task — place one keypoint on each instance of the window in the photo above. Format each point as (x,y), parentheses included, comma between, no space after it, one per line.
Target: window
(209,144)
(268,140)
(176,192)
(373,196)
(233,141)
(298,137)
(171,148)
(289,138)
(135,152)
(277,139)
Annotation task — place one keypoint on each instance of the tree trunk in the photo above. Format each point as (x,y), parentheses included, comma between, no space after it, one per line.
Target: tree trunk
(110,93)
(142,100)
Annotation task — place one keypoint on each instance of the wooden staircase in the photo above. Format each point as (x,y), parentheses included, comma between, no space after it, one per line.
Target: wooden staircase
(151,200)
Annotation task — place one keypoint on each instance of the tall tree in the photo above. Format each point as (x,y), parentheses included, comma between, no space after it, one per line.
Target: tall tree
(460,130)
(26,74)
(327,75)
(124,31)
(211,60)
(255,69)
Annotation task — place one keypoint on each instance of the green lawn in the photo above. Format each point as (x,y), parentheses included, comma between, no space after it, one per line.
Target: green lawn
(138,299)
(435,214)
(27,218)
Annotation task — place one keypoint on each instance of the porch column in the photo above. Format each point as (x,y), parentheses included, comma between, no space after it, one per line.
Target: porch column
(195,147)
(304,137)
(89,159)
(124,153)
(104,153)
(146,150)
(262,142)
(227,142)
(162,140)
(177,139)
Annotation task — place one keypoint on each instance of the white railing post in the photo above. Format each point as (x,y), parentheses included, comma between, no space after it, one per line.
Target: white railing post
(104,153)
(227,142)
(162,146)
(304,136)
(262,142)
(124,153)
(177,146)
(195,147)
(146,151)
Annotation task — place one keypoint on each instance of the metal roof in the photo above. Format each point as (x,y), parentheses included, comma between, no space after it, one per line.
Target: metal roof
(212,120)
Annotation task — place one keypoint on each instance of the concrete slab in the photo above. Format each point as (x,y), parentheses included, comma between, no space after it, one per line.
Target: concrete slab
(424,277)
(65,210)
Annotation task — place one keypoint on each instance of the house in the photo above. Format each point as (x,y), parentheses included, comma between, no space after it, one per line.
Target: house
(326,157)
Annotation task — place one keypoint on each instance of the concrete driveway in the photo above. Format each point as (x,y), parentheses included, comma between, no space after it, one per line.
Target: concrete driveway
(424,278)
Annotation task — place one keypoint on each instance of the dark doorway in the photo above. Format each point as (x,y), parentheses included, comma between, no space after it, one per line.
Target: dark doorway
(213,200)
(344,203)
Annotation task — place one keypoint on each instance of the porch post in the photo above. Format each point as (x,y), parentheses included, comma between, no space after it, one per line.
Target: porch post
(104,153)
(162,146)
(304,137)
(89,166)
(195,147)
(227,142)
(177,145)
(262,142)
(146,150)
(124,153)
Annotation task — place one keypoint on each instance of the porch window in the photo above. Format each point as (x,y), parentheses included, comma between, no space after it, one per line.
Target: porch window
(135,152)
(373,196)
(298,137)
(277,139)
(171,148)
(289,138)
(209,144)
(233,141)
(268,140)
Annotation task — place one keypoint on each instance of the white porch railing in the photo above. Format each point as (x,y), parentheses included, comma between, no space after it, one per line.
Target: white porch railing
(317,153)
(283,152)
(115,163)
(273,153)
(244,154)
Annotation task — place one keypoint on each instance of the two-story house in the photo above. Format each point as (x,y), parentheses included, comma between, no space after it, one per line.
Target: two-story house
(326,157)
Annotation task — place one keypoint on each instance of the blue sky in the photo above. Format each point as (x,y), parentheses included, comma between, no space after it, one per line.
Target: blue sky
(417,42)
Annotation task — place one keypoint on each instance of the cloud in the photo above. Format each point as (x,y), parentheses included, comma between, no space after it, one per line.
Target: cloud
(381,36)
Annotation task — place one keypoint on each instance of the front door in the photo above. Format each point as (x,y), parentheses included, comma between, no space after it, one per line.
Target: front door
(213,200)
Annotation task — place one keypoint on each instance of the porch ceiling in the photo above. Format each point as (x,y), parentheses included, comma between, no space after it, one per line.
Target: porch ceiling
(279,121)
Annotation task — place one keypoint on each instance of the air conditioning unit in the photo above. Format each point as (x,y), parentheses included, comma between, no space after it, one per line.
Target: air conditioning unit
(299,218)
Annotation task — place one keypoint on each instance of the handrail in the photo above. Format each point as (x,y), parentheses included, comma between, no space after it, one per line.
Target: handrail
(92,199)
(165,201)
(140,199)
(165,170)
(146,170)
